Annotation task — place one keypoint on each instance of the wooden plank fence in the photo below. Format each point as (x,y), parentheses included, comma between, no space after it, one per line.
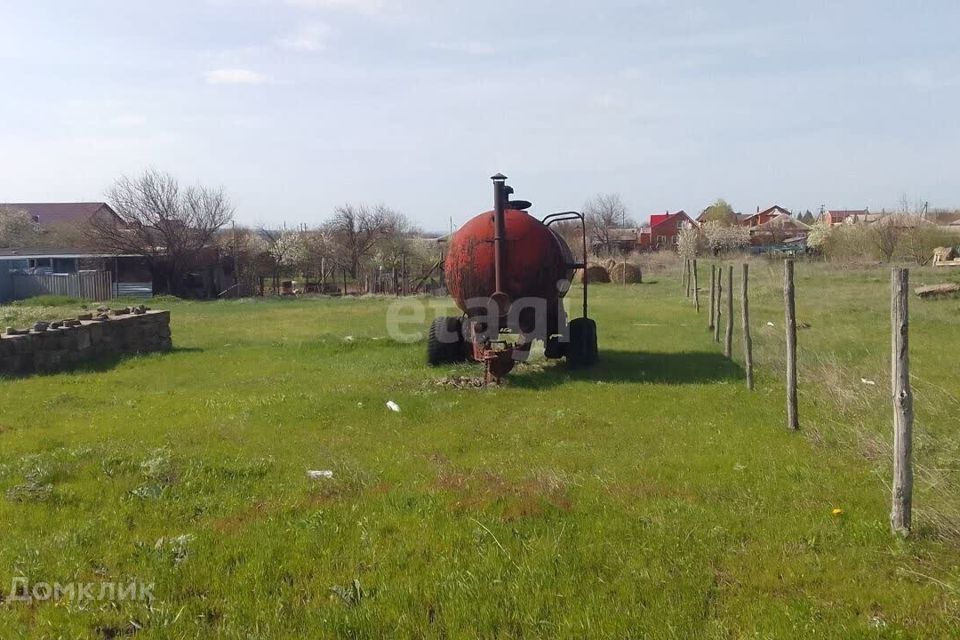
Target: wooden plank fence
(86,285)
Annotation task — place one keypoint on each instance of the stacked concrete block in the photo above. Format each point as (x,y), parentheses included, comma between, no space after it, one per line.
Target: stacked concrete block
(59,345)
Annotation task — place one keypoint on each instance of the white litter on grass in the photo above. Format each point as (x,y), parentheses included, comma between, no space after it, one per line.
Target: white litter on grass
(348,339)
(319,474)
(770,324)
(393,406)
(870,382)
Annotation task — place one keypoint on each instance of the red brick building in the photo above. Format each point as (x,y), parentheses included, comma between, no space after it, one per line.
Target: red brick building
(663,230)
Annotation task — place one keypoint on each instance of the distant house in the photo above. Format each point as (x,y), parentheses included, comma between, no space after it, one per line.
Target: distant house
(750,219)
(845,216)
(781,229)
(898,220)
(129,274)
(761,217)
(663,230)
(614,240)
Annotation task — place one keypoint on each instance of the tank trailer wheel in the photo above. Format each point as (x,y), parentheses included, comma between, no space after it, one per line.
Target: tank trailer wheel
(445,344)
(582,348)
(554,349)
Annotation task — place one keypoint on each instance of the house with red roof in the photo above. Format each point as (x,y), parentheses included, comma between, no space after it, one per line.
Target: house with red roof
(751,220)
(663,230)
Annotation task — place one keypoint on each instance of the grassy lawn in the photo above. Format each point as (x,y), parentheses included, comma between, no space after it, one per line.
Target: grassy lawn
(651,496)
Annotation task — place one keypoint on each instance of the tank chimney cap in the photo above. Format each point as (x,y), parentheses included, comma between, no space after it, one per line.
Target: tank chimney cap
(498,177)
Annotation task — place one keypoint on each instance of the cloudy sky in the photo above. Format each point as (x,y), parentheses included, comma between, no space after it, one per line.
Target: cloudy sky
(295,106)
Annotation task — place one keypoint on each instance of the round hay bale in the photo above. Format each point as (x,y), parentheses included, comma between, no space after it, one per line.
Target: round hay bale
(624,271)
(595,273)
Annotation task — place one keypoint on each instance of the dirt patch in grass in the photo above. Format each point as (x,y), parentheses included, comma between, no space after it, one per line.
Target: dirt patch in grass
(239,520)
(116,631)
(481,490)
(461,382)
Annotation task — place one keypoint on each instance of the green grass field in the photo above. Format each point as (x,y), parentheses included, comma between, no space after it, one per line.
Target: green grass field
(651,496)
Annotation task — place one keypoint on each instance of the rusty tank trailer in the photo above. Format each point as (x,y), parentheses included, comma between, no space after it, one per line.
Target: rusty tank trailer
(508,272)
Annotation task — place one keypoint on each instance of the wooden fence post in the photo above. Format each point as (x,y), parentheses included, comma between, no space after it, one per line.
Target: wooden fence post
(902,510)
(696,286)
(728,334)
(745,320)
(718,314)
(713,296)
(793,422)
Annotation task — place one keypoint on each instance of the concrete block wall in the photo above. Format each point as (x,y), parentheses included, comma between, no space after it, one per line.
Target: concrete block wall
(56,349)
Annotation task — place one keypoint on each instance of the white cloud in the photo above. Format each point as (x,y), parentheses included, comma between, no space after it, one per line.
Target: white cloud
(234,76)
(470,48)
(310,38)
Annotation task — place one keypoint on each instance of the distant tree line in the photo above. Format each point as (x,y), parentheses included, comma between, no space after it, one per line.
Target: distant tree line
(182,229)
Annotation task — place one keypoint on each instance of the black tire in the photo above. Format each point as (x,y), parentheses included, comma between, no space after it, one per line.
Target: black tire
(440,351)
(582,349)
(554,349)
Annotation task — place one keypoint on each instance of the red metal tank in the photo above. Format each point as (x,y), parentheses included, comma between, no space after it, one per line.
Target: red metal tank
(535,261)
(507,271)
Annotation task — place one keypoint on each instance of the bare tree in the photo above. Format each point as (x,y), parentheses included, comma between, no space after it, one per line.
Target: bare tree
(572,233)
(356,230)
(885,236)
(320,254)
(400,250)
(250,258)
(171,226)
(605,213)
